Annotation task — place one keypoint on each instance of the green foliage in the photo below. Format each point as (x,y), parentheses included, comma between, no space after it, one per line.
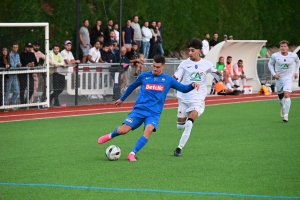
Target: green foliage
(273,20)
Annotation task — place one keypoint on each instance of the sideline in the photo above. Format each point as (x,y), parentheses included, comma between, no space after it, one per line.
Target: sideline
(147,190)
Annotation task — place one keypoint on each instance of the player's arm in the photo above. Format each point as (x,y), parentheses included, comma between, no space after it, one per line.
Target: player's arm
(179,73)
(184,88)
(296,75)
(131,88)
(271,67)
(235,68)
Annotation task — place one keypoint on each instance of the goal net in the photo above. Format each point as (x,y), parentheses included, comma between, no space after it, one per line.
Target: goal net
(23,84)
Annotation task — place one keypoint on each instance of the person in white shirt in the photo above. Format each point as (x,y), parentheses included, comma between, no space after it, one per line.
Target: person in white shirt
(94,53)
(116,28)
(284,75)
(147,35)
(205,44)
(67,54)
(191,104)
(239,74)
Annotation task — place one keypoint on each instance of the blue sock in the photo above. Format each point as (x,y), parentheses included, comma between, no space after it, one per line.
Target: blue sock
(140,144)
(114,133)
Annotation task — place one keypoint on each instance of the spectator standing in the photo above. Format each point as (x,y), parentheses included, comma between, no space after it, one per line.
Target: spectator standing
(230,37)
(137,32)
(205,44)
(96,31)
(12,80)
(94,53)
(263,53)
(58,78)
(147,35)
(160,50)
(4,62)
(153,40)
(107,30)
(225,38)
(38,55)
(214,41)
(27,59)
(116,30)
(127,34)
(84,37)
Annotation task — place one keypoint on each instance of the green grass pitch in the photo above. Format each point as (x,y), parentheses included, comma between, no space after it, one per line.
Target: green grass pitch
(236,151)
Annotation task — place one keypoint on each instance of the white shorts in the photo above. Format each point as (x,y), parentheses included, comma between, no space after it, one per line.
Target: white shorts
(284,85)
(185,108)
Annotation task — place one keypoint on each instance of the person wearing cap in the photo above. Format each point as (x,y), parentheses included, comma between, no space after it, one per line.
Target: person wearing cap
(27,59)
(225,38)
(214,41)
(230,37)
(38,54)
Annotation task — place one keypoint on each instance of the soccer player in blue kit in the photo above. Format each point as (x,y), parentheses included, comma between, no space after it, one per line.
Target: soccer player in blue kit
(149,103)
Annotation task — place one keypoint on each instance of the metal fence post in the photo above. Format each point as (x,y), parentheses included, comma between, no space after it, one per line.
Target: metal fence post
(76,85)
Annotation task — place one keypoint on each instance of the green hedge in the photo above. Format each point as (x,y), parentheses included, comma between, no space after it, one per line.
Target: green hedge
(272,20)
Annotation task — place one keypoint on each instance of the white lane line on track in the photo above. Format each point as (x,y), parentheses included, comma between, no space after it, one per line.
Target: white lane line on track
(116,108)
(124,109)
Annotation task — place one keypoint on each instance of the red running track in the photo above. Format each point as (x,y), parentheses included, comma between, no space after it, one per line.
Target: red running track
(126,106)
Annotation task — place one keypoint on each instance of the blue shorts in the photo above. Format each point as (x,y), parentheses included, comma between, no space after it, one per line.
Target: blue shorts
(138,116)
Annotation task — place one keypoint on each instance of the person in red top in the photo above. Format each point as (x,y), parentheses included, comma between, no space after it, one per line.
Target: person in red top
(229,71)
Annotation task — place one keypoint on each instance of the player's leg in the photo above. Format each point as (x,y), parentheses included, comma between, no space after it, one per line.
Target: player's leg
(132,122)
(287,89)
(236,81)
(192,112)
(279,88)
(151,123)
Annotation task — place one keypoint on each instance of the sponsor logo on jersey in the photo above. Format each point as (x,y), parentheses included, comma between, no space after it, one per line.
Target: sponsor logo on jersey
(284,66)
(148,77)
(129,120)
(196,76)
(196,66)
(284,60)
(155,87)
(163,79)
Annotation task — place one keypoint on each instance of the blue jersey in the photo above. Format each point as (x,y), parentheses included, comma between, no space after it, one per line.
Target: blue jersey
(154,89)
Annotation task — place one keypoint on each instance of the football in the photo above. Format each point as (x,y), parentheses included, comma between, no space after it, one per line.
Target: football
(113,152)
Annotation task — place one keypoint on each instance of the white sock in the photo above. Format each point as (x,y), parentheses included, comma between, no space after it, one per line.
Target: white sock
(244,82)
(186,134)
(228,86)
(180,125)
(230,81)
(236,82)
(287,105)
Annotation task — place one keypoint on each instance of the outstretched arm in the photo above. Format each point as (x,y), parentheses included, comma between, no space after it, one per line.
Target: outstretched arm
(131,88)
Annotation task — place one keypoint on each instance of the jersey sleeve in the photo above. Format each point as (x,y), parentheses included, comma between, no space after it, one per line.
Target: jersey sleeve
(179,72)
(212,68)
(271,65)
(235,68)
(180,87)
(297,64)
(132,87)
